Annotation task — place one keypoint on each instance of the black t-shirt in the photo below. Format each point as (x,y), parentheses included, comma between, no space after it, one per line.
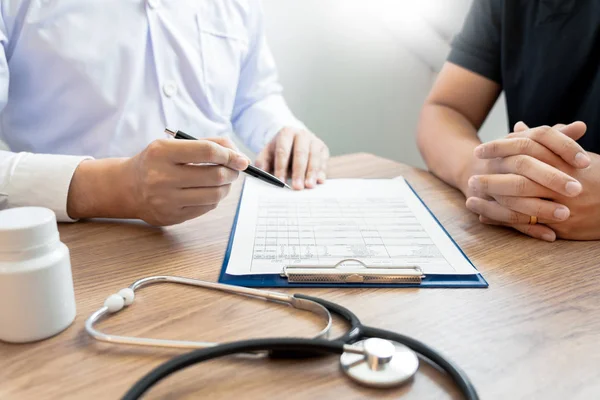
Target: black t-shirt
(544,53)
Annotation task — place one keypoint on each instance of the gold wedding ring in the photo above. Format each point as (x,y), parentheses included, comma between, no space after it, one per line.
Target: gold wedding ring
(533,220)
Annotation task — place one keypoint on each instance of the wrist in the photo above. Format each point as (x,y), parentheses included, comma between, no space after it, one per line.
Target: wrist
(464,173)
(100,189)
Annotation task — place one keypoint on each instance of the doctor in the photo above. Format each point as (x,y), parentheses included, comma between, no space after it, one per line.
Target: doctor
(87,88)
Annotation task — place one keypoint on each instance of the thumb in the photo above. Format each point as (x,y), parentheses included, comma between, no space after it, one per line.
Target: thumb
(520,127)
(575,130)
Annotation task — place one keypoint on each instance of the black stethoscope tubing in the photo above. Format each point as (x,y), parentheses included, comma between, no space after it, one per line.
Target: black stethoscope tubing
(359,331)
(303,348)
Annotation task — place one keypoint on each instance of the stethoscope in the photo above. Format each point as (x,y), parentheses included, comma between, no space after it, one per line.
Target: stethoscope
(370,356)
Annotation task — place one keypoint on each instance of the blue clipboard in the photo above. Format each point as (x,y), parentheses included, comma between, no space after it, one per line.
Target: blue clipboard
(274,280)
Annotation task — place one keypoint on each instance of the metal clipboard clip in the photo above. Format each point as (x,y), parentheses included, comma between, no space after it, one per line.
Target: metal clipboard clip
(359,272)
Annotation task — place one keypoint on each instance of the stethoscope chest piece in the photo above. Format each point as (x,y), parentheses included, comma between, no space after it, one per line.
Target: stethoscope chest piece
(382,364)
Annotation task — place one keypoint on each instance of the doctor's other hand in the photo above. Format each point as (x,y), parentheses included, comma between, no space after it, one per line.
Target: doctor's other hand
(296,154)
(518,176)
(163,185)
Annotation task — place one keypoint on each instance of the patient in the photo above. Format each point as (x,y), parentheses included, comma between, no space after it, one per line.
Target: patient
(543,179)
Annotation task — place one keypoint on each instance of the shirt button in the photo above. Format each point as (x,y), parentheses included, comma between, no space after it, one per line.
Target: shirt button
(153,3)
(170,88)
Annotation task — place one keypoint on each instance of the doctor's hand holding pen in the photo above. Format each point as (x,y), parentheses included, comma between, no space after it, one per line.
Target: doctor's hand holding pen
(162,185)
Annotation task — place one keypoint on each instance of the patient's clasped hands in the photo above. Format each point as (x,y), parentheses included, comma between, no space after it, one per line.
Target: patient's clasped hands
(540,172)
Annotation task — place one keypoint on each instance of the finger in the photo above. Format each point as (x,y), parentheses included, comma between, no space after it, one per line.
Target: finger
(540,172)
(196,152)
(507,184)
(546,211)
(518,146)
(301,152)
(559,143)
(536,231)
(492,210)
(283,149)
(194,176)
(520,126)
(225,142)
(322,175)
(575,130)
(201,196)
(314,163)
(265,159)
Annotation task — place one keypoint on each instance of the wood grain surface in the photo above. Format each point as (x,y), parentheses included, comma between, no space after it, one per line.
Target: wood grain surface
(533,334)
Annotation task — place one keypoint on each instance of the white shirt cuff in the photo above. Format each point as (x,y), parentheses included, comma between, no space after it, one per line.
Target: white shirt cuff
(42,180)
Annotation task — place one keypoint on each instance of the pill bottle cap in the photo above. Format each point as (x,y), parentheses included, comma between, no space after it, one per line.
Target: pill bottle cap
(26,228)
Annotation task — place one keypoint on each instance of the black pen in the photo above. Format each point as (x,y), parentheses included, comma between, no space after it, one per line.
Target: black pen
(251,170)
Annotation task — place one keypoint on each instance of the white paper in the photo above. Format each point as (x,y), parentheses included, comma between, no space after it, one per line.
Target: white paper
(378,221)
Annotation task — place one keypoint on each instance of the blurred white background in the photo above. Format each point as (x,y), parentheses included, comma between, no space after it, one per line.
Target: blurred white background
(357,71)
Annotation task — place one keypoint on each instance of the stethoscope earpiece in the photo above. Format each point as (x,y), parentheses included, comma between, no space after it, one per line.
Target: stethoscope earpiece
(380,363)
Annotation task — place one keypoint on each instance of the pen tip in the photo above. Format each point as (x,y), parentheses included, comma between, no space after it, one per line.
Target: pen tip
(170,132)
(287,186)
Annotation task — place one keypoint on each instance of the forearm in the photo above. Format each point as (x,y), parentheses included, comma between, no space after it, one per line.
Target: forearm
(101,189)
(446,139)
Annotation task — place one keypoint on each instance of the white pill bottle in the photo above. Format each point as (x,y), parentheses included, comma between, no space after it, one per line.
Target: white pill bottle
(37,300)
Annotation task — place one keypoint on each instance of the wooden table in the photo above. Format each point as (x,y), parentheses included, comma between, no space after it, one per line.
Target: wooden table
(535,333)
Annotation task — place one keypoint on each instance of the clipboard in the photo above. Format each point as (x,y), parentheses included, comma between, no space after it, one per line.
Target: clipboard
(423,281)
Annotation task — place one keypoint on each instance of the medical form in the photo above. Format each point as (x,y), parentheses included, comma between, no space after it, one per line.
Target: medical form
(380,222)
